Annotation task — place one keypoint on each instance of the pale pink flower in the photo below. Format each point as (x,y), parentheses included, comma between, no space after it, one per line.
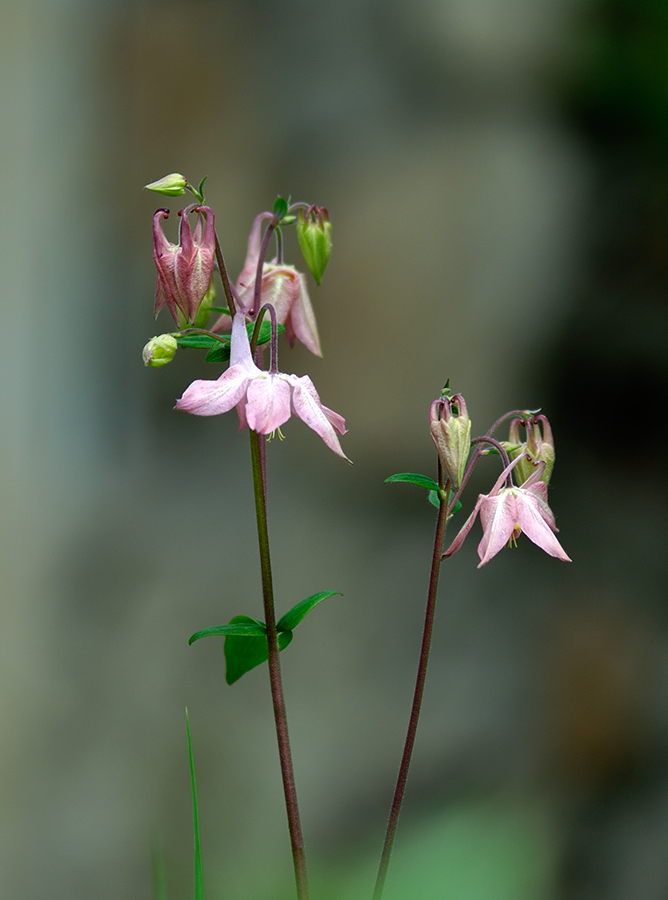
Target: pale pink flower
(507,512)
(264,400)
(184,269)
(282,286)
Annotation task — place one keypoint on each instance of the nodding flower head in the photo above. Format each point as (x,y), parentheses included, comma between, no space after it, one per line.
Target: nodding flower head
(282,286)
(507,512)
(538,448)
(264,400)
(451,433)
(185,269)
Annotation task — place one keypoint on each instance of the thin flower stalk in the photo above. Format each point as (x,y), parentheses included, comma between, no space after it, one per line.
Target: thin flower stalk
(275,681)
(428,628)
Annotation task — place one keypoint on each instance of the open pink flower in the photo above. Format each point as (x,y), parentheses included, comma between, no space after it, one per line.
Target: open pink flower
(184,269)
(282,286)
(264,400)
(507,512)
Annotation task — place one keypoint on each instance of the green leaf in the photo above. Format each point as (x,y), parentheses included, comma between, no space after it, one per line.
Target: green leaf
(200,190)
(220,309)
(435,500)
(412,478)
(196,341)
(221,353)
(239,625)
(245,644)
(199,882)
(280,207)
(293,617)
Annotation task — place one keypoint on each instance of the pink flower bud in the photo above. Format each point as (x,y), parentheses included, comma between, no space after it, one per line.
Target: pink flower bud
(451,434)
(184,269)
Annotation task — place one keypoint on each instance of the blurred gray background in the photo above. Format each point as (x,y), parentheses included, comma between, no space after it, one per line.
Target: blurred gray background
(497,176)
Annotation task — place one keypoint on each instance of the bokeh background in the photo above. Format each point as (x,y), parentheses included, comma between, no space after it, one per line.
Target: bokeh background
(497,176)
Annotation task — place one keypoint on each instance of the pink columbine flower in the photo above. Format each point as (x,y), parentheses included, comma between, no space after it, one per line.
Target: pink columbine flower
(184,269)
(507,512)
(282,286)
(264,400)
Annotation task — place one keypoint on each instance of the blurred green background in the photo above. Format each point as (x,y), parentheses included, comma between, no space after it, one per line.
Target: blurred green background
(497,176)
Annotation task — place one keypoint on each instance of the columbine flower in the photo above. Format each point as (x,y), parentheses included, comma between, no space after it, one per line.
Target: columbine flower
(264,400)
(507,512)
(282,286)
(538,447)
(184,269)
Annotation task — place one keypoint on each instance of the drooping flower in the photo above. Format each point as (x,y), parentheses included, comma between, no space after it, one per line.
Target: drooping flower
(264,400)
(184,269)
(282,286)
(538,447)
(505,513)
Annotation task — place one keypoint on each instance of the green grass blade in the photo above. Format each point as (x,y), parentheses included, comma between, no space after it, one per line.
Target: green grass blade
(199,883)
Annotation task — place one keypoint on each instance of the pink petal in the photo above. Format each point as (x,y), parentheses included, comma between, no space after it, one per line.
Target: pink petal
(268,403)
(303,319)
(240,354)
(532,522)
(211,398)
(306,404)
(498,516)
(464,530)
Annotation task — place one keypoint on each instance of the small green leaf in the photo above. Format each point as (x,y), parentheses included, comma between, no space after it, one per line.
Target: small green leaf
(221,353)
(288,220)
(220,309)
(280,207)
(239,625)
(200,190)
(245,645)
(197,341)
(412,478)
(434,499)
(293,617)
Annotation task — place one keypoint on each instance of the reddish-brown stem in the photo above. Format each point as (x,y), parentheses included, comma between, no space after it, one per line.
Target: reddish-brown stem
(419,687)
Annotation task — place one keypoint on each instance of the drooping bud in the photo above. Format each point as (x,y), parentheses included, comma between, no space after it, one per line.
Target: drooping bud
(451,433)
(184,269)
(314,233)
(171,185)
(160,350)
(538,447)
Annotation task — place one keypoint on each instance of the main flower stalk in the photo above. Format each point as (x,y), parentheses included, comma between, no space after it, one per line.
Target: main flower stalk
(277,697)
(444,493)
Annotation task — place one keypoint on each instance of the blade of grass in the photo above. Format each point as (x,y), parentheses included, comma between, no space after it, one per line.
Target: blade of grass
(199,883)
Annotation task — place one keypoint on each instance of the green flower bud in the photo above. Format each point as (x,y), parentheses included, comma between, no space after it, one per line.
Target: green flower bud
(451,433)
(204,311)
(315,239)
(171,185)
(160,350)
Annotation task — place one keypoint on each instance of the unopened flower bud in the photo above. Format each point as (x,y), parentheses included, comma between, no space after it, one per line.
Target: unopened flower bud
(171,185)
(451,433)
(314,233)
(538,448)
(160,350)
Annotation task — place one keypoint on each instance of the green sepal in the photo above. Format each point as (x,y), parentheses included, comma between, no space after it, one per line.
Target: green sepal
(280,207)
(288,220)
(413,478)
(293,617)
